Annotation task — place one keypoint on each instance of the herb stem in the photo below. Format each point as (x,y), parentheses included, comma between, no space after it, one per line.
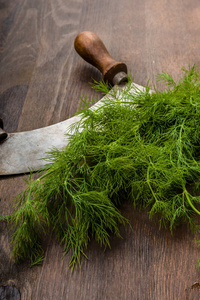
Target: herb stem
(150,187)
(190,203)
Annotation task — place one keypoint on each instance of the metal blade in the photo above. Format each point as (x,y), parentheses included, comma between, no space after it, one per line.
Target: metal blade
(23,152)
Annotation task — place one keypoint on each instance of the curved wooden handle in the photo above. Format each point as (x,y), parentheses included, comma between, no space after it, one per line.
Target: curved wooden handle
(92,49)
(3,134)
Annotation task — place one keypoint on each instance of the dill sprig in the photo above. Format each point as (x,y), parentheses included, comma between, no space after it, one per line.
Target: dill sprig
(138,145)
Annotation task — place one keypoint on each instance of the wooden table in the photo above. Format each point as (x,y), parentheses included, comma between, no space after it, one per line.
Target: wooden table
(41,79)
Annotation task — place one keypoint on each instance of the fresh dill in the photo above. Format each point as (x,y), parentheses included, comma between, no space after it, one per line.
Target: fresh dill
(140,146)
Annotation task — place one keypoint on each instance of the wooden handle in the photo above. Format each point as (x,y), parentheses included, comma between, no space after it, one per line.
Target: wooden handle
(3,134)
(92,49)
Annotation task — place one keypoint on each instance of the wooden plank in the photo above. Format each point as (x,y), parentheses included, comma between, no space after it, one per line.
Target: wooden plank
(41,79)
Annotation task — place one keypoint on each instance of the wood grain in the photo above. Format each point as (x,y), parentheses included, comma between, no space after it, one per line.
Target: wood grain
(41,79)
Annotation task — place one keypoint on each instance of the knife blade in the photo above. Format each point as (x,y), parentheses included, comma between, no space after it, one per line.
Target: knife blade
(24,152)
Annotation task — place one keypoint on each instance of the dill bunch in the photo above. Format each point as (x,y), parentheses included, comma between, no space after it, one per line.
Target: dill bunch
(137,145)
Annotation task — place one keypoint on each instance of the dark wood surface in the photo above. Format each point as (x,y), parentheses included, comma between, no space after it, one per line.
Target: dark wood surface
(41,79)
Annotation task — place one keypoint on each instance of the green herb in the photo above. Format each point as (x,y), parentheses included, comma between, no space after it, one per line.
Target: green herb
(140,146)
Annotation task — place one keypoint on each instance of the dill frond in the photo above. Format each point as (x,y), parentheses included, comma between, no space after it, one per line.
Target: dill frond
(140,146)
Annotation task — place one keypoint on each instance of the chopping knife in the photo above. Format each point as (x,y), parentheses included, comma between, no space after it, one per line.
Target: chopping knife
(23,152)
